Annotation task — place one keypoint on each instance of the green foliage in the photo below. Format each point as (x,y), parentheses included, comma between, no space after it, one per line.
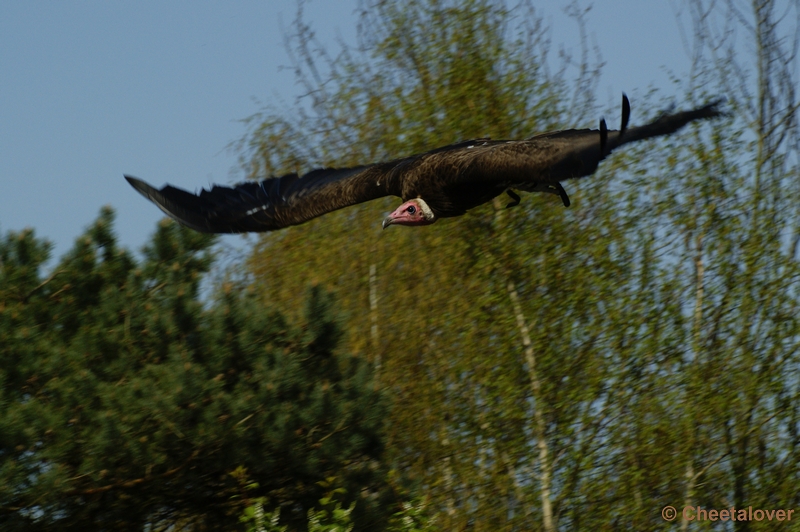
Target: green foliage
(124,402)
(549,369)
(653,357)
(331,517)
(414,517)
(335,520)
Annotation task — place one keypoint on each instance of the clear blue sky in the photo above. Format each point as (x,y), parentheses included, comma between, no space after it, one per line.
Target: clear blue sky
(91,90)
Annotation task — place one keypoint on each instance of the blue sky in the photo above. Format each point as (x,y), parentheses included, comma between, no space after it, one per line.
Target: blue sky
(91,90)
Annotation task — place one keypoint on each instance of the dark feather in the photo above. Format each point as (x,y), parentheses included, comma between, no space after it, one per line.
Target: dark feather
(603,135)
(451,179)
(626,114)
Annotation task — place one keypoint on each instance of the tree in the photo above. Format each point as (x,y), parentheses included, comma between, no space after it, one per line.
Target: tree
(555,369)
(438,72)
(127,402)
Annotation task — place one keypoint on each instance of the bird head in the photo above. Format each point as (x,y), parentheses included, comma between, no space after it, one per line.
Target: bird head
(412,212)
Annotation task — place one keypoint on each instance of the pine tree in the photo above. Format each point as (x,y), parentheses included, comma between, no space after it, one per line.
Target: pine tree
(127,401)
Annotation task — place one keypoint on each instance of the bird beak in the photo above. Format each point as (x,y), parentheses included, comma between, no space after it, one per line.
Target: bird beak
(388,221)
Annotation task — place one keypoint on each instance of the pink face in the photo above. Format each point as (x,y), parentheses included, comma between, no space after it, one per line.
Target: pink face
(409,213)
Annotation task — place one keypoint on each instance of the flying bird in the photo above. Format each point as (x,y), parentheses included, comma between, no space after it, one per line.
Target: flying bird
(437,184)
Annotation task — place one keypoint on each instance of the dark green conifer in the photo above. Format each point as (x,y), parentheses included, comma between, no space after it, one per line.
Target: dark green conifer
(128,402)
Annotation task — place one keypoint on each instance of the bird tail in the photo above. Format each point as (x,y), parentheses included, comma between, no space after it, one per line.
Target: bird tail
(665,124)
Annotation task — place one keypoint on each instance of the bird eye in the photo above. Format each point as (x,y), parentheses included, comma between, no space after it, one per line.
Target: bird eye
(411,209)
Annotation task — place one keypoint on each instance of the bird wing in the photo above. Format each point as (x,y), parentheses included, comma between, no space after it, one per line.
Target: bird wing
(273,203)
(542,161)
(549,157)
(278,202)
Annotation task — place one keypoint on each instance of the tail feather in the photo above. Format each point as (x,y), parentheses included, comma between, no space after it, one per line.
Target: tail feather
(626,114)
(603,136)
(668,123)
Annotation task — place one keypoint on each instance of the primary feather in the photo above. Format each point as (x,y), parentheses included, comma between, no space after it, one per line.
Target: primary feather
(437,184)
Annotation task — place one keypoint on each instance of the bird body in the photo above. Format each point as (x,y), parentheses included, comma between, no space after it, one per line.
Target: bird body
(441,183)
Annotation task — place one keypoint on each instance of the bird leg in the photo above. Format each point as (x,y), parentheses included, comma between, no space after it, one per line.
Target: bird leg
(513,195)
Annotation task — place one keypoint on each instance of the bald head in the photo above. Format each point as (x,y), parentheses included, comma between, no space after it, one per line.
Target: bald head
(412,212)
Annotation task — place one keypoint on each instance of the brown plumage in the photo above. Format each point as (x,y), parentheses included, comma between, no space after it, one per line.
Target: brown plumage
(438,184)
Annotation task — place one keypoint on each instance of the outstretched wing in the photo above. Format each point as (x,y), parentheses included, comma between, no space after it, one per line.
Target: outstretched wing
(272,203)
(539,163)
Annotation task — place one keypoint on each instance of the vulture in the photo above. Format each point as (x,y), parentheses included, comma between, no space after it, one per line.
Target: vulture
(441,183)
